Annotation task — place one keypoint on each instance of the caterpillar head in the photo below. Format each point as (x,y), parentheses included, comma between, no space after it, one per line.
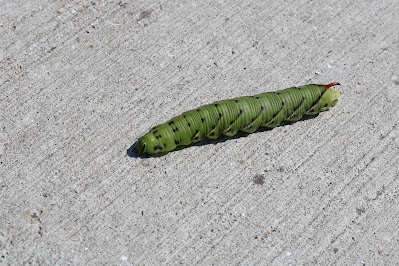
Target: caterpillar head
(140,146)
(330,97)
(148,144)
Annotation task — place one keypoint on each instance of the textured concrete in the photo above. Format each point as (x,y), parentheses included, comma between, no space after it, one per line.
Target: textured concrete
(80,81)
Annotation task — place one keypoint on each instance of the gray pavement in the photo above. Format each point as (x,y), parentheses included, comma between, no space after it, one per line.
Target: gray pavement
(81,81)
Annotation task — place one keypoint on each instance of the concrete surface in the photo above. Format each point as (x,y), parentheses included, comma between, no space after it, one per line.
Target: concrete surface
(81,81)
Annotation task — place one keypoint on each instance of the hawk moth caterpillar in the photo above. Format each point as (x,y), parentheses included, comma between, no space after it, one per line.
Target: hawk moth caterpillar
(246,114)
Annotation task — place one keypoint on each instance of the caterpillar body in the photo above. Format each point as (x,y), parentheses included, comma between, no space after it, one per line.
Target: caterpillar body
(245,114)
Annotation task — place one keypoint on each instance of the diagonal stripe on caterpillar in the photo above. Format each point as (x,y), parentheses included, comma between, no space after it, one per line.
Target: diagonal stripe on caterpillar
(245,114)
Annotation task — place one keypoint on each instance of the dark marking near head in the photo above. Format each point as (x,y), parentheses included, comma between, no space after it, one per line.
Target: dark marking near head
(298,88)
(262,108)
(198,110)
(241,111)
(157,148)
(170,123)
(184,116)
(175,129)
(202,119)
(213,127)
(158,137)
(256,97)
(278,93)
(177,142)
(188,124)
(326,105)
(216,105)
(282,103)
(220,115)
(236,101)
(155,131)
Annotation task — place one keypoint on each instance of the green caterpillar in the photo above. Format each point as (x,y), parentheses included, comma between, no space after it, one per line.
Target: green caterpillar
(245,114)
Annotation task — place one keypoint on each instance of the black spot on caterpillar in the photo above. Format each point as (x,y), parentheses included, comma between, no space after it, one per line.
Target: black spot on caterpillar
(245,114)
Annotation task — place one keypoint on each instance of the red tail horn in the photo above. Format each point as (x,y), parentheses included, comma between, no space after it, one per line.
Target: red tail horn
(332,85)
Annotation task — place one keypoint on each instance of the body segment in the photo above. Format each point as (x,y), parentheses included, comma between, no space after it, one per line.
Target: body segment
(245,114)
